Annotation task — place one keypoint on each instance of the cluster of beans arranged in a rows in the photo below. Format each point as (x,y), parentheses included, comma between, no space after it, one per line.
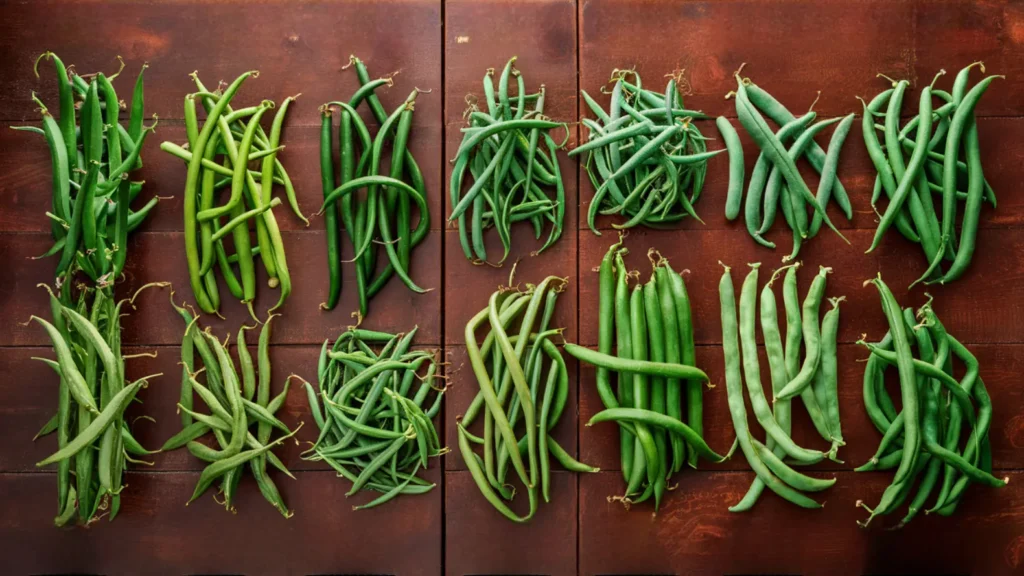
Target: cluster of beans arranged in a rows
(377,396)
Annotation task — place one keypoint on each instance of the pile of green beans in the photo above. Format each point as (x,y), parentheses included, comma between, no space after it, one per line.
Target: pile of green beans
(650,159)
(911,169)
(775,180)
(94,440)
(654,358)
(237,136)
(382,216)
(235,404)
(92,157)
(512,174)
(376,429)
(815,380)
(515,388)
(926,438)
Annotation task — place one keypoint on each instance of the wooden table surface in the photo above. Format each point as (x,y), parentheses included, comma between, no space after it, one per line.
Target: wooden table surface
(792,48)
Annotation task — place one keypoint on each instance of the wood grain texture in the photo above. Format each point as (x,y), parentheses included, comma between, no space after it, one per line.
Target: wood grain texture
(792,47)
(155,530)
(695,534)
(298,47)
(479,540)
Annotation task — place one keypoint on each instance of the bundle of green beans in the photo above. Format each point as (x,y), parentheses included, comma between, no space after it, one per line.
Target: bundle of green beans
(514,389)
(646,152)
(376,428)
(775,180)
(92,157)
(926,438)
(235,404)
(922,158)
(512,175)
(815,380)
(382,216)
(237,136)
(654,358)
(94,440)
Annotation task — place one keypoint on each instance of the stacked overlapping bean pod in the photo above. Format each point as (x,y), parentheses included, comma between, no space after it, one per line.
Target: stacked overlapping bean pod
(516,388)
(646,159)
(94,440)
(654,359)
(775,180)
(815,380)
(237,136)
(237,399)
(515,177)
(941,429)
(922,158)
(382,216)
(92,157)
(374,412)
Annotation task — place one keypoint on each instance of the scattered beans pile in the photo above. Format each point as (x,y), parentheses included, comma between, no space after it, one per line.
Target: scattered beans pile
(383,215)
(925,440)
(376,427)
(923,158)
(775,180)
(514,388)
(646,159)
(94,440)
(92,158)
(815,380)
(513,176)
(654,359)
(237,136)
(235,404)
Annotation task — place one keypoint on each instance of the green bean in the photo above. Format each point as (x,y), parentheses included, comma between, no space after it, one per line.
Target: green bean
(827,378)
(828,172)
(218,468)
(908,386)
(781,116)
(734,390)
(113,410)
(751,369)
(811,335)
(624,350)
(662,369)
(735,149)
(765,139)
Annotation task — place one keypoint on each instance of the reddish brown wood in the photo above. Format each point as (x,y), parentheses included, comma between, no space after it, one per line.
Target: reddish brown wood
(157,531)
(297,48)
(695,533)
(479,540)
(951,35)
(793,49)
(783,44)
